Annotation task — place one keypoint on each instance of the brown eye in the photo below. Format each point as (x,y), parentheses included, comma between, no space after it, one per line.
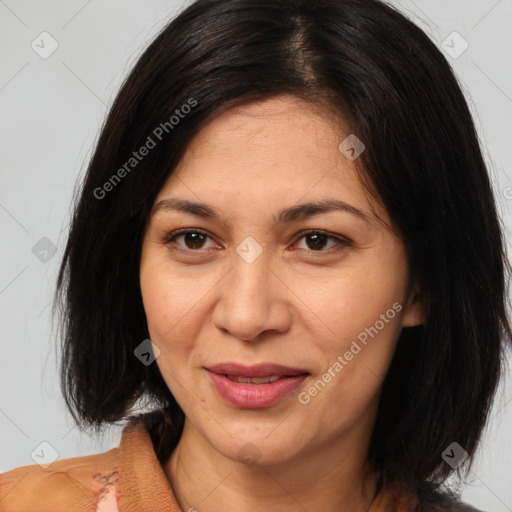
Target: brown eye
(316,241)
(192,239)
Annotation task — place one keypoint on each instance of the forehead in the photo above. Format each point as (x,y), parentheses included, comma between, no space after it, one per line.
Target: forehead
(276,151)
(285,125)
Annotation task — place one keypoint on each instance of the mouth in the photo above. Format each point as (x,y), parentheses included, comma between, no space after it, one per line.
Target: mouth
(255,387)
(254,380)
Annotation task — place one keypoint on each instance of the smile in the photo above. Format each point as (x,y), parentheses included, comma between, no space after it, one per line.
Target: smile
(254,387)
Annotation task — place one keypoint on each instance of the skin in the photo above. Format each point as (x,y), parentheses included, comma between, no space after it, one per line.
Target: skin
(298,304)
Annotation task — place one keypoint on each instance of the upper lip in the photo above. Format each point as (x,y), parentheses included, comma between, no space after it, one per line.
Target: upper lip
(257,370)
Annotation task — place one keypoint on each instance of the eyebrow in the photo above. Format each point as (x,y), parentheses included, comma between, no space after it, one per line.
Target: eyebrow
(287,215)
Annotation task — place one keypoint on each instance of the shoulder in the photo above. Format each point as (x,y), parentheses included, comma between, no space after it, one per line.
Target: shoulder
(67,484)
(454,507)
(438,501)
(425,496)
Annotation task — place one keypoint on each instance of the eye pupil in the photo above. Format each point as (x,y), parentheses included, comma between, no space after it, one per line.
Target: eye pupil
(319,243)
(194,239)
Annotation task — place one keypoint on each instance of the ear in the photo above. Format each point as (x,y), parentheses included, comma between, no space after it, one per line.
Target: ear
(414,313)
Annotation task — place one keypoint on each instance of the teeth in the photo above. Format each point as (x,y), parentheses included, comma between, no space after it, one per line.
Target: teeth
(253,380)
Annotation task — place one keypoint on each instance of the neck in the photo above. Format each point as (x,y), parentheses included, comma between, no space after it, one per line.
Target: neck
(333,478)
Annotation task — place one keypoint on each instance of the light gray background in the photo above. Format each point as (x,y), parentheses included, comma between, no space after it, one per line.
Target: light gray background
(51,111)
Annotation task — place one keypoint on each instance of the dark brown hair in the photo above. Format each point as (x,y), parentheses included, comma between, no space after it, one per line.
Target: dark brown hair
(382,75)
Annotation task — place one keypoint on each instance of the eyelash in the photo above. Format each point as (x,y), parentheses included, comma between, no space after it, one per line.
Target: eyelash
(343,243)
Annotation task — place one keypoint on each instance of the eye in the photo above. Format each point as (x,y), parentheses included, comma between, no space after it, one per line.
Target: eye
(194,240)
(316,241)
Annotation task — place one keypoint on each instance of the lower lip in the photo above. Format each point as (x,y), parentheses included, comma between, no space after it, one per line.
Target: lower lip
(255,396)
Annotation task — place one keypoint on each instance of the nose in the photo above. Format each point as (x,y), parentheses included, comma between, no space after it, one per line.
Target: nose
(253,301)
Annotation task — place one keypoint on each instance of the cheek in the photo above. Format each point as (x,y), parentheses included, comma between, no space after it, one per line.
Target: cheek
(170,330)
(356,358)
(345,306)
(168,302)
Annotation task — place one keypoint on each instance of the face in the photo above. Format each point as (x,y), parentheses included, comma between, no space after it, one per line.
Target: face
(253,277)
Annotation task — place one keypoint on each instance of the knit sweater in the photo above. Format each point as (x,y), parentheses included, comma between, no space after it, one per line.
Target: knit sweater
(128,478)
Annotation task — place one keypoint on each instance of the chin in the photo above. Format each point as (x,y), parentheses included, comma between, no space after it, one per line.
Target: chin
(257,451)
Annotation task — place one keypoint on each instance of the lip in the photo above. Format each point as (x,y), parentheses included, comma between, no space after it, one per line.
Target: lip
(255,396)
(257,370)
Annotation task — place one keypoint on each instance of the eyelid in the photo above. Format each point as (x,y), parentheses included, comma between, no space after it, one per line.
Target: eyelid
(343,242)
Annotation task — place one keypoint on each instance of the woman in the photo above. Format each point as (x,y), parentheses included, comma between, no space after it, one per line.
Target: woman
(287,242)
